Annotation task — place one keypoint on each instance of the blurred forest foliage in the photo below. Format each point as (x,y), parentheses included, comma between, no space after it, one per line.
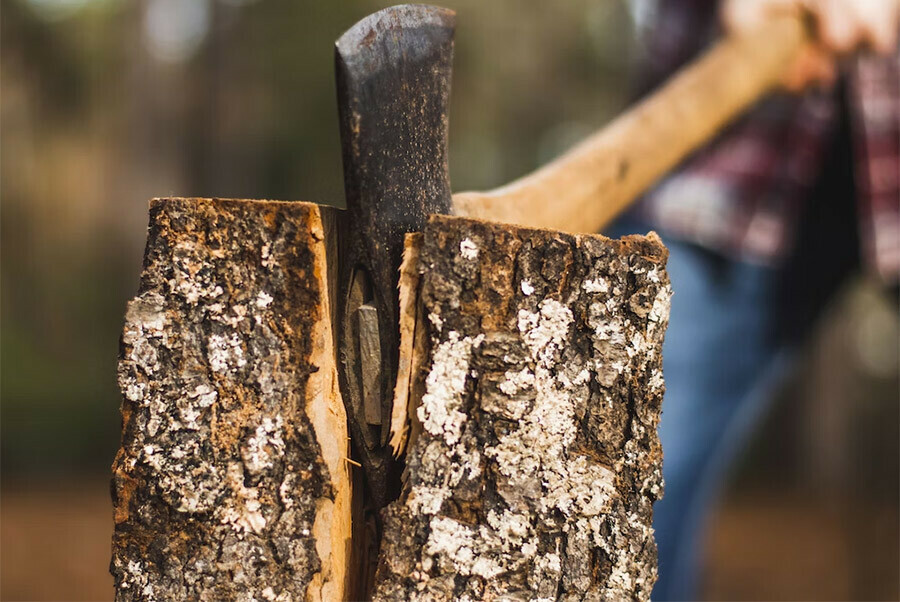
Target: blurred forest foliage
(108,103)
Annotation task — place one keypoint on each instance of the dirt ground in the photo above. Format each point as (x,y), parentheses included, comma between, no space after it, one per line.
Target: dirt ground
(55,545)
(773,547)
(55,540)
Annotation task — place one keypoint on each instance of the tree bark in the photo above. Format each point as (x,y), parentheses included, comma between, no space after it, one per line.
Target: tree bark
(232,482)
(537,460)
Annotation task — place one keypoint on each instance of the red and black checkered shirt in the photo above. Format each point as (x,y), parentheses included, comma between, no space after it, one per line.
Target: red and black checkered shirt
(743,194)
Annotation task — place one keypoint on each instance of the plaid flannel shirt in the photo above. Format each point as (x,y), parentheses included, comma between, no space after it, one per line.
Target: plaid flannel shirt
(742,195)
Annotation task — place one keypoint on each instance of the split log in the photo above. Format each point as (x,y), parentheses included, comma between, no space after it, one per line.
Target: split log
(537,458)
(531,363)
(231,482)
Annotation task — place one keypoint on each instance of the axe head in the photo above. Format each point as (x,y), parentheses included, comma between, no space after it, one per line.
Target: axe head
(393,80)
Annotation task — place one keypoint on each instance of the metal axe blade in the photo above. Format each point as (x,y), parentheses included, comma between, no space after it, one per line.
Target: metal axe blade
(393,79)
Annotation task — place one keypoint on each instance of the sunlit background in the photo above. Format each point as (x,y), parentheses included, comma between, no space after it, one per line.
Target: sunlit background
(107,103)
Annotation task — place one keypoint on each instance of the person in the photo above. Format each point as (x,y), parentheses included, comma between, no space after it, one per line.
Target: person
(762,226)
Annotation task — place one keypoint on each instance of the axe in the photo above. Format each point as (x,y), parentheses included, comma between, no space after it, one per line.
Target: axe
(393,80)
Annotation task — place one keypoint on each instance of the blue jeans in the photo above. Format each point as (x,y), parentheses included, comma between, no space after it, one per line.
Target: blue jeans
(721,361)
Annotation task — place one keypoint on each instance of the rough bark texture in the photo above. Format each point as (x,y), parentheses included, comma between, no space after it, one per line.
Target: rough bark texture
(231,482)
(538,459)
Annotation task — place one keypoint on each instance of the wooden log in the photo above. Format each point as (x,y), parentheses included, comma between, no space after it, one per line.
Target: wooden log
(232,481)
(537,458)
(531,376)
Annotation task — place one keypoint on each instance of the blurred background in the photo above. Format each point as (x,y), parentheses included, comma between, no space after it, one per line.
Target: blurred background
(108,103)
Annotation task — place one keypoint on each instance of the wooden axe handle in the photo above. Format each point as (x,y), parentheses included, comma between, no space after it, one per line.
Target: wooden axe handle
(584,189)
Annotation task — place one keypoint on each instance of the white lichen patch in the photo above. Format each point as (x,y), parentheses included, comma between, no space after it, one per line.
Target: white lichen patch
(527,288)
(242,510)
(468,249)
(599,285)
(192,483)
(134,391)
(232,318)
(225,352)
(264,446)
(440,409)
(135,578)
(436,321)
(427,500)
(469,465)
(193,291)
(462,548)
(266,254)
(502,545)
(656,380)
(637,344)
(144,332)
(204,395)
(539,448)
(662,303)
(545,331)
(263,299)
(517,381)
(286,489)
(512,529)
(607,327)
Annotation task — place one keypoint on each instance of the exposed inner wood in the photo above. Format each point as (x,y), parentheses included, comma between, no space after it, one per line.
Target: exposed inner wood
(409,304)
